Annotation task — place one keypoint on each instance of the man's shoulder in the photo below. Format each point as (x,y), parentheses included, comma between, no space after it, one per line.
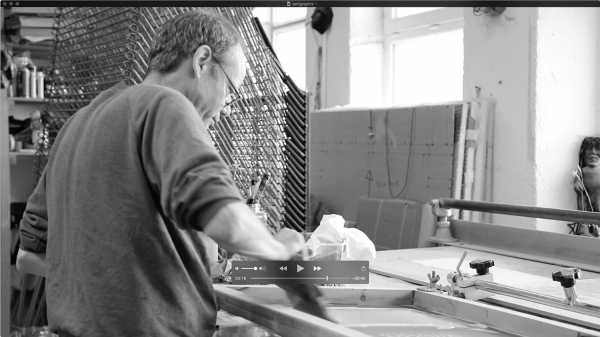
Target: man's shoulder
(157,91)
(157,98)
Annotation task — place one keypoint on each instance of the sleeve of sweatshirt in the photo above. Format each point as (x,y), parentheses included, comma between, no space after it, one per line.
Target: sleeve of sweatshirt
(187,175)
(33,227)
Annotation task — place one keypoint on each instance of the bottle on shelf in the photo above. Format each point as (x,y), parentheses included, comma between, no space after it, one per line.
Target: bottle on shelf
(12,85)
(40,84)
(33,82)
(29,82)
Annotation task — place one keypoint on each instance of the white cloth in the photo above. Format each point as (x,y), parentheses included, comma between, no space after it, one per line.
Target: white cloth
(331,230)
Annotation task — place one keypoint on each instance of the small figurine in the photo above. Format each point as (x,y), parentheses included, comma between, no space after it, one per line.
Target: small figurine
(586,182)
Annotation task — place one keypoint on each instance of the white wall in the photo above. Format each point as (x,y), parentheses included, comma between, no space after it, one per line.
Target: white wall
(499,59)
(336,56)
(566,100)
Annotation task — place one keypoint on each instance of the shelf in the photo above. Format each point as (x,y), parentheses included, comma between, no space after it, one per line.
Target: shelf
(28,100)
(26,153)
(23,157)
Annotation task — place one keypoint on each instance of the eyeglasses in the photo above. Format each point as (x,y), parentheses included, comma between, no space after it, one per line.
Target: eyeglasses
(234,94)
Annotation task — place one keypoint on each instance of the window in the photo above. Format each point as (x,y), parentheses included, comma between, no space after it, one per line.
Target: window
(286,28)
(406,56)
(427,69)
(424,55)
(400,12)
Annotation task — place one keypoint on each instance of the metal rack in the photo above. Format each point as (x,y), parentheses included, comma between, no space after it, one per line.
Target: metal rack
(97,47)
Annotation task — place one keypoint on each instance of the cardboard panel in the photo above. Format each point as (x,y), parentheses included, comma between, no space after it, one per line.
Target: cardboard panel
(376,153)
(390,223)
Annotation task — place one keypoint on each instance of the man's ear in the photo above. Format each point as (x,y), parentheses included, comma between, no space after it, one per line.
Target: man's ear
(200,60)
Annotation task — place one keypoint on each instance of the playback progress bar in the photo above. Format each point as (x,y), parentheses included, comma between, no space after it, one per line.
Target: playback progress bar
(319,272)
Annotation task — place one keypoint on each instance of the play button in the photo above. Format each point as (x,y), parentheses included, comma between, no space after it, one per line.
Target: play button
(299,268)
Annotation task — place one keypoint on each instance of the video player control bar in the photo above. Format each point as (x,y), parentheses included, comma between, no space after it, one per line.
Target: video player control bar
(319,272)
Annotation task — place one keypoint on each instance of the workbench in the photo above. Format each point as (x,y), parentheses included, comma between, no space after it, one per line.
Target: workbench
(521,298)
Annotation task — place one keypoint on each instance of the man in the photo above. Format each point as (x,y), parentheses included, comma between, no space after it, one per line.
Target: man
(130,180)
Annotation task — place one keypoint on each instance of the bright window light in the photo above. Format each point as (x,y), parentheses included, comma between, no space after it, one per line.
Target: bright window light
(287,35)
(290,47)
(427,69)
(283,15)
(366,62)
(400,12)
(263,14)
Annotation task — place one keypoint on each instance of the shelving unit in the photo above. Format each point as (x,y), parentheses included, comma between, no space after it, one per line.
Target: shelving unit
(22,153)
(20,107)
(39,51)
(26,100)
(17,177)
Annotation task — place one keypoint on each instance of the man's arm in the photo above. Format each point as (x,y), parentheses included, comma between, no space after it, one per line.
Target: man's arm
(33,232)
(237,229)
(194,186)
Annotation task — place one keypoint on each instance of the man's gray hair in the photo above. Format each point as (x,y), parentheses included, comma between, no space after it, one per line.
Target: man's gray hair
(180,36)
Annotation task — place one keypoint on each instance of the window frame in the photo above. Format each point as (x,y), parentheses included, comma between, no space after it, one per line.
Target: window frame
(271,29)
(395,29)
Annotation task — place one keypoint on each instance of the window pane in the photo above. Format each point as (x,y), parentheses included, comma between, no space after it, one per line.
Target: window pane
(400,12)
(263,14)
(282,15)
(428,69)
(366,62)
(290,46)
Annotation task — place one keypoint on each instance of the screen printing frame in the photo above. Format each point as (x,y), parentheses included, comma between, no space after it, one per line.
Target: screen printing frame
(268,306)
(562,250)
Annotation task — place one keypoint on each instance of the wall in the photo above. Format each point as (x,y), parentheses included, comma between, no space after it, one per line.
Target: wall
(336,77)
(566,100)
(500,59)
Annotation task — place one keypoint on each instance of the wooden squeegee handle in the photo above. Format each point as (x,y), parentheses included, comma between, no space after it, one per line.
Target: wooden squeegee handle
(525,211)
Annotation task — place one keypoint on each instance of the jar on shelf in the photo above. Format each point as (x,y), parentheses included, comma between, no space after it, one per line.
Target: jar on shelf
(40,84)
(23,78)
(33,82)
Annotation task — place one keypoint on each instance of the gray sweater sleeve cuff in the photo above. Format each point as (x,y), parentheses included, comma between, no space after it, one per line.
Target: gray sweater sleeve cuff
(32,233)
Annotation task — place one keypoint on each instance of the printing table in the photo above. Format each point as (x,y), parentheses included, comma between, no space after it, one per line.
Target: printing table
(395,303)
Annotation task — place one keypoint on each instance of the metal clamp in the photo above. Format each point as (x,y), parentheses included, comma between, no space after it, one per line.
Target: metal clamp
(442,230)
(464,285)
(567,278)
(433,280)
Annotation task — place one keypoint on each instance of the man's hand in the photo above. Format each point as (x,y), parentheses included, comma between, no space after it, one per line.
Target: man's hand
(31,263)
(292,240)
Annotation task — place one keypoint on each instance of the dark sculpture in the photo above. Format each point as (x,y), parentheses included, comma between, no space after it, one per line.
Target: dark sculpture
(586,182)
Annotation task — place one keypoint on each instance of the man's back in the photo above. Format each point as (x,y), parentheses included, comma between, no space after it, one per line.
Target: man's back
(117,182)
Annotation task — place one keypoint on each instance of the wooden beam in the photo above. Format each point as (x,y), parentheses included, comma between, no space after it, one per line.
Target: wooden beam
(459,153)
(285,321)
(5,236)
(506,320)
(334,296)
(541,310)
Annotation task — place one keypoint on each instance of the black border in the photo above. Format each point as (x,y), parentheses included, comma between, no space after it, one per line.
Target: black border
(301,3)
